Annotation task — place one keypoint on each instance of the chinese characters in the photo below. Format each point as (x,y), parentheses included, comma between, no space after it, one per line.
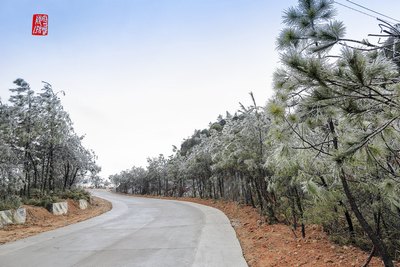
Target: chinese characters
(40,24)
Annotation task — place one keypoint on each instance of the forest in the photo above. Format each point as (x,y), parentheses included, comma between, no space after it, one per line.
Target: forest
(41,156)
(323,150)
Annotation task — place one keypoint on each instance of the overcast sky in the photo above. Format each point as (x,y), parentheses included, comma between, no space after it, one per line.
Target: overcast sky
(142,75)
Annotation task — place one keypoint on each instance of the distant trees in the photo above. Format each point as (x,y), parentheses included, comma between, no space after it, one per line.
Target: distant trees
(39,150)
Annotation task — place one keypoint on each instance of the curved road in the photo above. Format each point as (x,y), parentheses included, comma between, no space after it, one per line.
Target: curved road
(136,232)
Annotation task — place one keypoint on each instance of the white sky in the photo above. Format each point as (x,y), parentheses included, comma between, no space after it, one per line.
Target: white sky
(140,76)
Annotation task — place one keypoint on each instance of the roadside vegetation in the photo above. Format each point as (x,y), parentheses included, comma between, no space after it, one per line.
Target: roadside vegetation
(39,219)
(46,199)
(42,159)
(324,150)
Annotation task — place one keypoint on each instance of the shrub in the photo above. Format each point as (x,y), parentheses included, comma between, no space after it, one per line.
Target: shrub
(10,202)
(43,201)
(46,199)
(76,194)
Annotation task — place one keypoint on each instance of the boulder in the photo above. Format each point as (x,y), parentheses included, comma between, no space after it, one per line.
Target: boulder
(83,204)
(19,216)
(6,217)
(12,216)
(59,208)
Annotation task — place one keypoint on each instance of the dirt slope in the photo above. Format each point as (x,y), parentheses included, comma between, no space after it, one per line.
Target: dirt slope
(40,220)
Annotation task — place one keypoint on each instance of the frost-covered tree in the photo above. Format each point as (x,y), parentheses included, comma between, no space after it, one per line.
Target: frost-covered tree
(39,150)
(344,109)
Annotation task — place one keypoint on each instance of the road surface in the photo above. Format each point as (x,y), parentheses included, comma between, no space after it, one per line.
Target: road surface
(136,232)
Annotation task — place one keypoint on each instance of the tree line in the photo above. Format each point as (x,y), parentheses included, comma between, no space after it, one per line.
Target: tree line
(325,149)
(40,153)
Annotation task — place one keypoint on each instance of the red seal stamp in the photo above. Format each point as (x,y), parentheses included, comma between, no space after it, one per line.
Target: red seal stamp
(40,24)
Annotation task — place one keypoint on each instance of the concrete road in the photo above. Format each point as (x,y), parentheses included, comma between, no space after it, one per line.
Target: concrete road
(136,232)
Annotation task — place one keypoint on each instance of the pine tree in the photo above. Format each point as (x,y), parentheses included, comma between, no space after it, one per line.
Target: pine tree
(343,106)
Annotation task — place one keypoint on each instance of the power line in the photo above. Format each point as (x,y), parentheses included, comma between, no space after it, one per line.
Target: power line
(354,9)
(364,13)
(373,11)
(386,24)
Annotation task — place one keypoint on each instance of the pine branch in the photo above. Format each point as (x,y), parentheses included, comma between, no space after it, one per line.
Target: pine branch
(306,141)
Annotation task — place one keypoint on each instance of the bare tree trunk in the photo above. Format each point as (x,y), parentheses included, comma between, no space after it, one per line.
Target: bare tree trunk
(72,180)
(346,212)
(376,240)
(300,207)
(66,174)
